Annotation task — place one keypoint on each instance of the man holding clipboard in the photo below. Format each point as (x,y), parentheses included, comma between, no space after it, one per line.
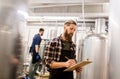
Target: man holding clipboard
(60,53)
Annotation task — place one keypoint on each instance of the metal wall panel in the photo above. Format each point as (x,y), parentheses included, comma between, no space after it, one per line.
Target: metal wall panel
(114,29)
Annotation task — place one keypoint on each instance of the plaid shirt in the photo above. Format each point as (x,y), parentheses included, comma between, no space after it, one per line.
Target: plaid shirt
(53,51)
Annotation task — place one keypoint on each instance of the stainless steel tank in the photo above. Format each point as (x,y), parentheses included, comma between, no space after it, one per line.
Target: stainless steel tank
(95,49)
(10,41)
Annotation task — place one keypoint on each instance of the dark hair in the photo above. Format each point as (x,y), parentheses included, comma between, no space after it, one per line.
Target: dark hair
(68,22)
(41,29)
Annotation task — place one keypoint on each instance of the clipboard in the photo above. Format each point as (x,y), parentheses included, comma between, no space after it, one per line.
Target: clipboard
(81,64)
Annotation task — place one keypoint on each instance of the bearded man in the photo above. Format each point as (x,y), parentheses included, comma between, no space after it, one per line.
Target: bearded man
(59,50)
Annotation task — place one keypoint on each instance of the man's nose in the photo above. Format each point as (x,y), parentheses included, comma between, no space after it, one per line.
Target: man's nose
(72,31)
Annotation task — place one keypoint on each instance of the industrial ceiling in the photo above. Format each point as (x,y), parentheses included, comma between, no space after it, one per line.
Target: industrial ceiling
(87,9)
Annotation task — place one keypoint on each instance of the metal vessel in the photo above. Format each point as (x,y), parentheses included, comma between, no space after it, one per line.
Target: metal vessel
(95,49)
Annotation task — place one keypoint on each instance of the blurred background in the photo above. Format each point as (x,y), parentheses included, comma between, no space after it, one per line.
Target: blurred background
(97,35)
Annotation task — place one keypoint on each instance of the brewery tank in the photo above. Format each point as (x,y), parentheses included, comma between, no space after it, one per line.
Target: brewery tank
(95,50)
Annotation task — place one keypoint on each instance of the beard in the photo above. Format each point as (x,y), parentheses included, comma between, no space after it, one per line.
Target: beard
(41,34)
(68,36)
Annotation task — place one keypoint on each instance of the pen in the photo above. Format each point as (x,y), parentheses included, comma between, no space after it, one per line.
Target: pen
(66,57)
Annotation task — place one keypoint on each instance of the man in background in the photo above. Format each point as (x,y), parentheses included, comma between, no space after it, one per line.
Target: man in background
(34,50)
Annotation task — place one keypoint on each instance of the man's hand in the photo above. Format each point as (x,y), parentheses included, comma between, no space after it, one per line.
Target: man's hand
(70,63)
(79,69)
(37,56)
